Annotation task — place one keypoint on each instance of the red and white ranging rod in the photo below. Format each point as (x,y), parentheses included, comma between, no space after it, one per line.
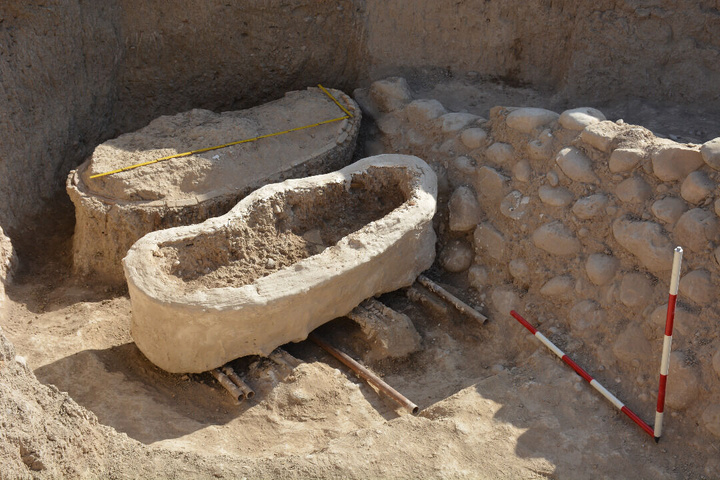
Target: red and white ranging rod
(667,341)
(605,393)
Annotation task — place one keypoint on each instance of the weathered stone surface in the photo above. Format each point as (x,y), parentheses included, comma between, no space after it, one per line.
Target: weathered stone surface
(711,419)
(522,171)
(685,323)
(8,262)
(555,197)
(579,118)
(585,315)
(696,229)
(389,333)
(389,124)
(646,241)
(526,120)
(601,268)
(682,387)
(450,146)
(464,166)
(478,277)
(696,187)
(456,256)
(456,121)
(590,206)
(710,152)
(473,138)
(556,238)
(184,329)
(489,241)
(416,138)
(490,183)
(422,111)
(499,153)
(674,161)
(505,299)
(669,209)
(625,159)
(553,178)
(716,362)
(576,165)
(390,94)
(631,345)
(8,259)
(464,210)
(541,149)
(514,205)
(635,290)
(114,211)
(557,286)
(697,286)
(600,135)
(519,271)
(633,190)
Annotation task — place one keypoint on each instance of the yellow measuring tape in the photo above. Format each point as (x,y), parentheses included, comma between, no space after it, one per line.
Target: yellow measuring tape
(247,140)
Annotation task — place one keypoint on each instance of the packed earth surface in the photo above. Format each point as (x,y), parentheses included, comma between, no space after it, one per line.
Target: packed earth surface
(575,146)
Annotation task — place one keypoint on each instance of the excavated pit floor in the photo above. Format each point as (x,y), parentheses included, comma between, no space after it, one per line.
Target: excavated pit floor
(489,409)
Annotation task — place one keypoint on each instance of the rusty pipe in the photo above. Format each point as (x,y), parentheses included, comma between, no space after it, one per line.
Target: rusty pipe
(281,357)
(223,379)
(366,374)
(454,301)
(244,387)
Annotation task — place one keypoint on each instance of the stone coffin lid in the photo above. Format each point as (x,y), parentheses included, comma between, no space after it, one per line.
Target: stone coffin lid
(114,211)
(215,172)
(183,329)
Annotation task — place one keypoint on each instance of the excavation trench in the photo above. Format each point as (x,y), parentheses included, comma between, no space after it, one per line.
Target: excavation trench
(566,218)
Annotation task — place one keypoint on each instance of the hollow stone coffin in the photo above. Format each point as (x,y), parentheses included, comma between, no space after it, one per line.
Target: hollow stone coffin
(286,259)
(113,211)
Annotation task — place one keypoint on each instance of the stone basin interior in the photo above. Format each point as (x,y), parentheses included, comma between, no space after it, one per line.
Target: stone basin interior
(283,229)
(74,74)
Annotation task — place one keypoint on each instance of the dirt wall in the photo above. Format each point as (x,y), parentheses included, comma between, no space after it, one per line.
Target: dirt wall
(74,73)
(587,51)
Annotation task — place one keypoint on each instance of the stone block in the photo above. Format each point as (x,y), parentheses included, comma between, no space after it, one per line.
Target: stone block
(205,294)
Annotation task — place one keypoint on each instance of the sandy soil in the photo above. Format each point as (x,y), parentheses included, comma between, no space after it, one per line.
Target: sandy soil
(494,404)
(266,243)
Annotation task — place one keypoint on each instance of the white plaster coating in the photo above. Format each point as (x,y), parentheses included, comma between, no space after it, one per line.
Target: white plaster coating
(205,328)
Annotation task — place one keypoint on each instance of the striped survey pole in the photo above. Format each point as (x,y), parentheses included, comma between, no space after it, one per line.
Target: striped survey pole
(605,393)
(667,341)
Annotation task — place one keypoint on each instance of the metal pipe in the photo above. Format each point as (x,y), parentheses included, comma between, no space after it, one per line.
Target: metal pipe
(456,302)
(237,394)
(281,357)
(244,387)
(428,300)
(366,374)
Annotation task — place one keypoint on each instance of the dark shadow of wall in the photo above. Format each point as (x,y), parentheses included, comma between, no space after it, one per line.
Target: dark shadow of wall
(75,73)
